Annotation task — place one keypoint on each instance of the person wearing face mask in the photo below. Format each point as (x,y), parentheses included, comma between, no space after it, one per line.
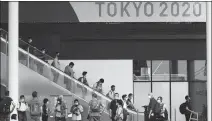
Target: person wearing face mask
(113,107)
(160,110)
(152,107)
(23,107)
(76,111)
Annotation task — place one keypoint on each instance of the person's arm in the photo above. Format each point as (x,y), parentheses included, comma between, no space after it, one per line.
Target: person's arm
(81,108)
(13,104)
(110,110)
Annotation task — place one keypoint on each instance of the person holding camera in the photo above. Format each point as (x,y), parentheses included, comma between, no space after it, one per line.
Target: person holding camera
(76,111)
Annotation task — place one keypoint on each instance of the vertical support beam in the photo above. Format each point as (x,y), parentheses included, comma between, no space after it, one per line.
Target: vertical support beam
(13,51)
(208,26)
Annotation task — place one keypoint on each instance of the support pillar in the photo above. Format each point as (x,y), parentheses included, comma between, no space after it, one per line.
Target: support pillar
(13,51)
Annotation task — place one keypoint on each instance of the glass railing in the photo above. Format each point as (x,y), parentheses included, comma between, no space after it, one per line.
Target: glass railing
(35,60)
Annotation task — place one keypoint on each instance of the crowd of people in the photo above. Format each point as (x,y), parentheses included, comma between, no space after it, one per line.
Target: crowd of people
(117,108)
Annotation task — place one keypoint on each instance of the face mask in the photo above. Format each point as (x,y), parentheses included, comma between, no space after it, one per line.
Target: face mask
(158,101)
(76,104)
(149,96)
(22,100)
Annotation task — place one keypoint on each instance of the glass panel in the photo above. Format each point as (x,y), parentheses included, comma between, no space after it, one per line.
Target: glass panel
(178,70)
(162,89)
(142,70)
(141,91)
(200,70)
(178,92)
(160,70)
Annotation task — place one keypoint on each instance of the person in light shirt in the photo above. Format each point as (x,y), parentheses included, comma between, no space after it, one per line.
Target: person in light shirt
(22,108)
(111,93)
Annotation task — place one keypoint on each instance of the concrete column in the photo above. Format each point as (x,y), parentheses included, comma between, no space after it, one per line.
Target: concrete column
(208,26)
(174,67)
(13,52)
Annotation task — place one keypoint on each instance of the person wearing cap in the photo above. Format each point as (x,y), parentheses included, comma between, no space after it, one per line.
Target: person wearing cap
(98,86)
(111,93)
(84,81)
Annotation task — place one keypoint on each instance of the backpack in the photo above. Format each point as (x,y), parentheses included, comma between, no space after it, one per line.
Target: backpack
(182,108)
(4,107)
(95,106)
(35,109)
(58,113)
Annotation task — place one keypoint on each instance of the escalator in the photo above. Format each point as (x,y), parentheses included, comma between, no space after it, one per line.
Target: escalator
(37,75)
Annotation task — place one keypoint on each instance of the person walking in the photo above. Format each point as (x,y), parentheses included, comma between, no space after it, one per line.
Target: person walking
(70,72)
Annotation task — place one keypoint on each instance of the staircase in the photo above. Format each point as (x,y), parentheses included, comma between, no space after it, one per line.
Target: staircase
(44,73)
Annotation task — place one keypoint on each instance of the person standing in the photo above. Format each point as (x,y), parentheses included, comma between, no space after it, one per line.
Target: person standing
(119,112)
(35,107)
(125,112)
(69,71)
(98,86)
(95,109)
(161,113)
(188,109)
(84,81)
(45,110)
(56,64)
(42,56)
(113,107)
(5,107)
(76,111)
(112,92)
(23,107)
(152,107)
(130,103)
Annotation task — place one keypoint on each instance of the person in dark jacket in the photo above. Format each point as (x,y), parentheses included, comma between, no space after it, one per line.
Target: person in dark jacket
(152,107)
(188,107)
(113,107)
(45,110)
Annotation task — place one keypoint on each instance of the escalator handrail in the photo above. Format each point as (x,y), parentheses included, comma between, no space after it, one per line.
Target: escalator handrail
(62,73)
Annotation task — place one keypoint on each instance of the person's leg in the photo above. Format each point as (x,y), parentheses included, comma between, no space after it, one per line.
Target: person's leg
(187,117)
